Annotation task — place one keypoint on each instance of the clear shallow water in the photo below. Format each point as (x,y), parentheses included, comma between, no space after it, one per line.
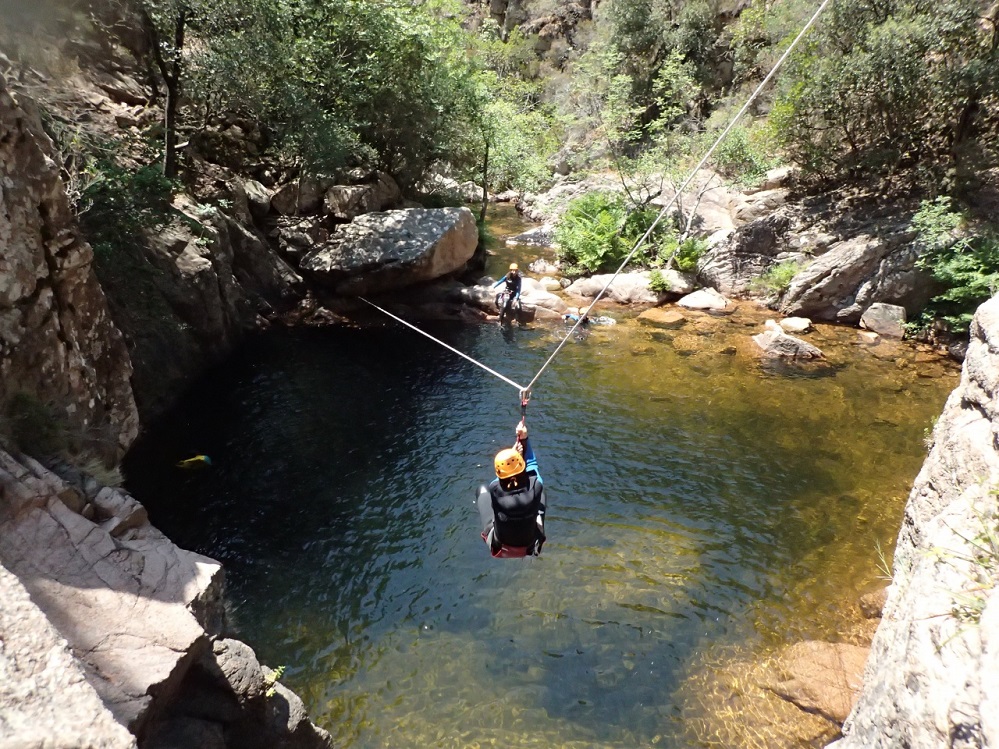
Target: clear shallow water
(704,510)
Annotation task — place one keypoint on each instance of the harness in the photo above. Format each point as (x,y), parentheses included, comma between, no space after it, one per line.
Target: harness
(504,551)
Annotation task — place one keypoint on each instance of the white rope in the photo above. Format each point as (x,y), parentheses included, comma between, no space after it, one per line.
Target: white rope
(682,187)
(493,372)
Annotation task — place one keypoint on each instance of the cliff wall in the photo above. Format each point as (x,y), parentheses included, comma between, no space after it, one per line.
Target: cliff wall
(932,679)
(105,625)
(57,341)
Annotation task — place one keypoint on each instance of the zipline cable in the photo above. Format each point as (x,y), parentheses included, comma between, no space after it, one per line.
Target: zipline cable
(520,388)
(684,186)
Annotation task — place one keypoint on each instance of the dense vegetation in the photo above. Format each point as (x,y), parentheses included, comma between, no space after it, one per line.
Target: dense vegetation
(902,91)
(334,84)
(439,86)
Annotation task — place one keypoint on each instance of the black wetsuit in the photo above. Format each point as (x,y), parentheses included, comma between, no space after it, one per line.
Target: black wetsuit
(513,284)
(515,517)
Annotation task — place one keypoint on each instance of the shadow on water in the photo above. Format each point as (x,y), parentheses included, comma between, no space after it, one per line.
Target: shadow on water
(697,502)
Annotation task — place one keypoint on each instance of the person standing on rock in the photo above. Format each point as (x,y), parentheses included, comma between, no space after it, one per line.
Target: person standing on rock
(512,508)
(513,281)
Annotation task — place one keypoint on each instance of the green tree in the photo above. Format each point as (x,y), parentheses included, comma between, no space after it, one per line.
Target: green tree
(340,82)
(515,134)
(891,84)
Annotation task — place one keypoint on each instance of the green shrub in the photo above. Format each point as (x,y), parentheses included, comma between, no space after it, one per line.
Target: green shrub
(118,204)
(589,233)
(743,157)
(965,264)
(775,279)
(684,255)
(599,229)
(658,282)
(689,252)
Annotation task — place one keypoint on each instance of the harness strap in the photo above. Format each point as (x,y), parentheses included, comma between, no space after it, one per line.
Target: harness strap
(504,551)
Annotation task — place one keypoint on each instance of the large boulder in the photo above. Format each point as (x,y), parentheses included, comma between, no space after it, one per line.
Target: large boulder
(377,193)
(632,288)
(389,250)
(884,319)
(855,273)
(534,294)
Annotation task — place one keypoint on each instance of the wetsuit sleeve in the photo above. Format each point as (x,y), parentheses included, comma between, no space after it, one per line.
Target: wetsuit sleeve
(517,287)
(531,460)
(499,282)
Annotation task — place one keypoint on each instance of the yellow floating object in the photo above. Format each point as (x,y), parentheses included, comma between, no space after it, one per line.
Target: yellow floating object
(198,461)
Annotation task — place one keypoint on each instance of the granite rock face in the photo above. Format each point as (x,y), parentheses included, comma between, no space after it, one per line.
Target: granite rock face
(142,627)
(856,272)
(46,699)
(57,340)
(932,679)
(117,589)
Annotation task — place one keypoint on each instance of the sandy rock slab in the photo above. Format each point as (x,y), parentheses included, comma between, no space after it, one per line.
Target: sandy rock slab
(121,594)
(45,699)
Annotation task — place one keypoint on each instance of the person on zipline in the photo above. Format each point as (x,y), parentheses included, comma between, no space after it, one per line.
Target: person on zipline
(512,508)
(513,281)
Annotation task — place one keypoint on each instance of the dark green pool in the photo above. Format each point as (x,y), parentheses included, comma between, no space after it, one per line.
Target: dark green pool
(704,507)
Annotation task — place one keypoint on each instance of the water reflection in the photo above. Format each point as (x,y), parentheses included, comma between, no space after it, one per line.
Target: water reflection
(703,508)
(706,507)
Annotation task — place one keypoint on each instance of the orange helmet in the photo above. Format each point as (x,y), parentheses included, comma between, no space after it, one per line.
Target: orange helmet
(509,462)
(514,266)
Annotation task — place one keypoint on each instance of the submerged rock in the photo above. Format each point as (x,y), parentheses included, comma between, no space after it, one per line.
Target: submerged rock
(658,317)
(821,677)
(776,343)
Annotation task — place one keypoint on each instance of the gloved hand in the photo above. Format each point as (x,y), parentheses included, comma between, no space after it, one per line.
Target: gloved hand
(539,542)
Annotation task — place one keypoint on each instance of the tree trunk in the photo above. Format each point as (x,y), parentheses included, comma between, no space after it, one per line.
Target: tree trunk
(170,70)
(171,78)
(485,184)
